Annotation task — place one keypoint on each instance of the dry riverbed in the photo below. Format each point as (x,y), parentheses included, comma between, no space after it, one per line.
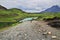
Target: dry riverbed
(35,30)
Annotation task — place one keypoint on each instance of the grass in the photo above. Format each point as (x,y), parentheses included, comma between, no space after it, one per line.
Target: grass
(14,15)
(5,27)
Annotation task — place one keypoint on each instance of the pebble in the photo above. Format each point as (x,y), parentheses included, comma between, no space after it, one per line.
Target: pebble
(20,36)
(29,39)
(43,39)
(39,30)
(54,37)
(25,34)
(49,33)
(25,38)
(44,30)
(44,33)
(46,25)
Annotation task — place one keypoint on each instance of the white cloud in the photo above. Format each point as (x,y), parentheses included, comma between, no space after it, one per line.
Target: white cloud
(30,5)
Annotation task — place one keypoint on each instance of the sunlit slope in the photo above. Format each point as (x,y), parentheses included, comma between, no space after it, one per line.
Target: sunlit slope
(14,15)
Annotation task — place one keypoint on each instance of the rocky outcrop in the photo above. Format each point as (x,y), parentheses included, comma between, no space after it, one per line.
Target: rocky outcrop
(2,8)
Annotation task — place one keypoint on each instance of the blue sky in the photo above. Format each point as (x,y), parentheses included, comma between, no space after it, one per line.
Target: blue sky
(30,5)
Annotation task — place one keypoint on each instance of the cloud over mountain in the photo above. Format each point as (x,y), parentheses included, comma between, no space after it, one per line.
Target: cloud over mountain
(30,5)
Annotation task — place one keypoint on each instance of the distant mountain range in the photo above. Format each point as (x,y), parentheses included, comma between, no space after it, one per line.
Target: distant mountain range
(54,8)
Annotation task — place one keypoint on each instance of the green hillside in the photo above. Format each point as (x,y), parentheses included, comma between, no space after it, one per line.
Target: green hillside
(13,16)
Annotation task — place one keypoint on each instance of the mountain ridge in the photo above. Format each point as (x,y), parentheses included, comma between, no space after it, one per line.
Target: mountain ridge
(54,8)
(2,8)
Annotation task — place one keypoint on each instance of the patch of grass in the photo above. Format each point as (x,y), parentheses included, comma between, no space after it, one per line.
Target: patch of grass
(5,26)
(15,15)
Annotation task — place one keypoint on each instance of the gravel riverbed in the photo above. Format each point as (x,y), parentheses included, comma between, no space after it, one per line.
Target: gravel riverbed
(30,31)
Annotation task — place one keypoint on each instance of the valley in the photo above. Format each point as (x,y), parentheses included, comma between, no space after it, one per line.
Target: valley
(20,25)
(30,31)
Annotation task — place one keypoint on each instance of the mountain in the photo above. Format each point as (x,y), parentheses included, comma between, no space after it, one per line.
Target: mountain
(2,8)
(54,8)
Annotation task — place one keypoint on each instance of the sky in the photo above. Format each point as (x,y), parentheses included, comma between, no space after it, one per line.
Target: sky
(30,5)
